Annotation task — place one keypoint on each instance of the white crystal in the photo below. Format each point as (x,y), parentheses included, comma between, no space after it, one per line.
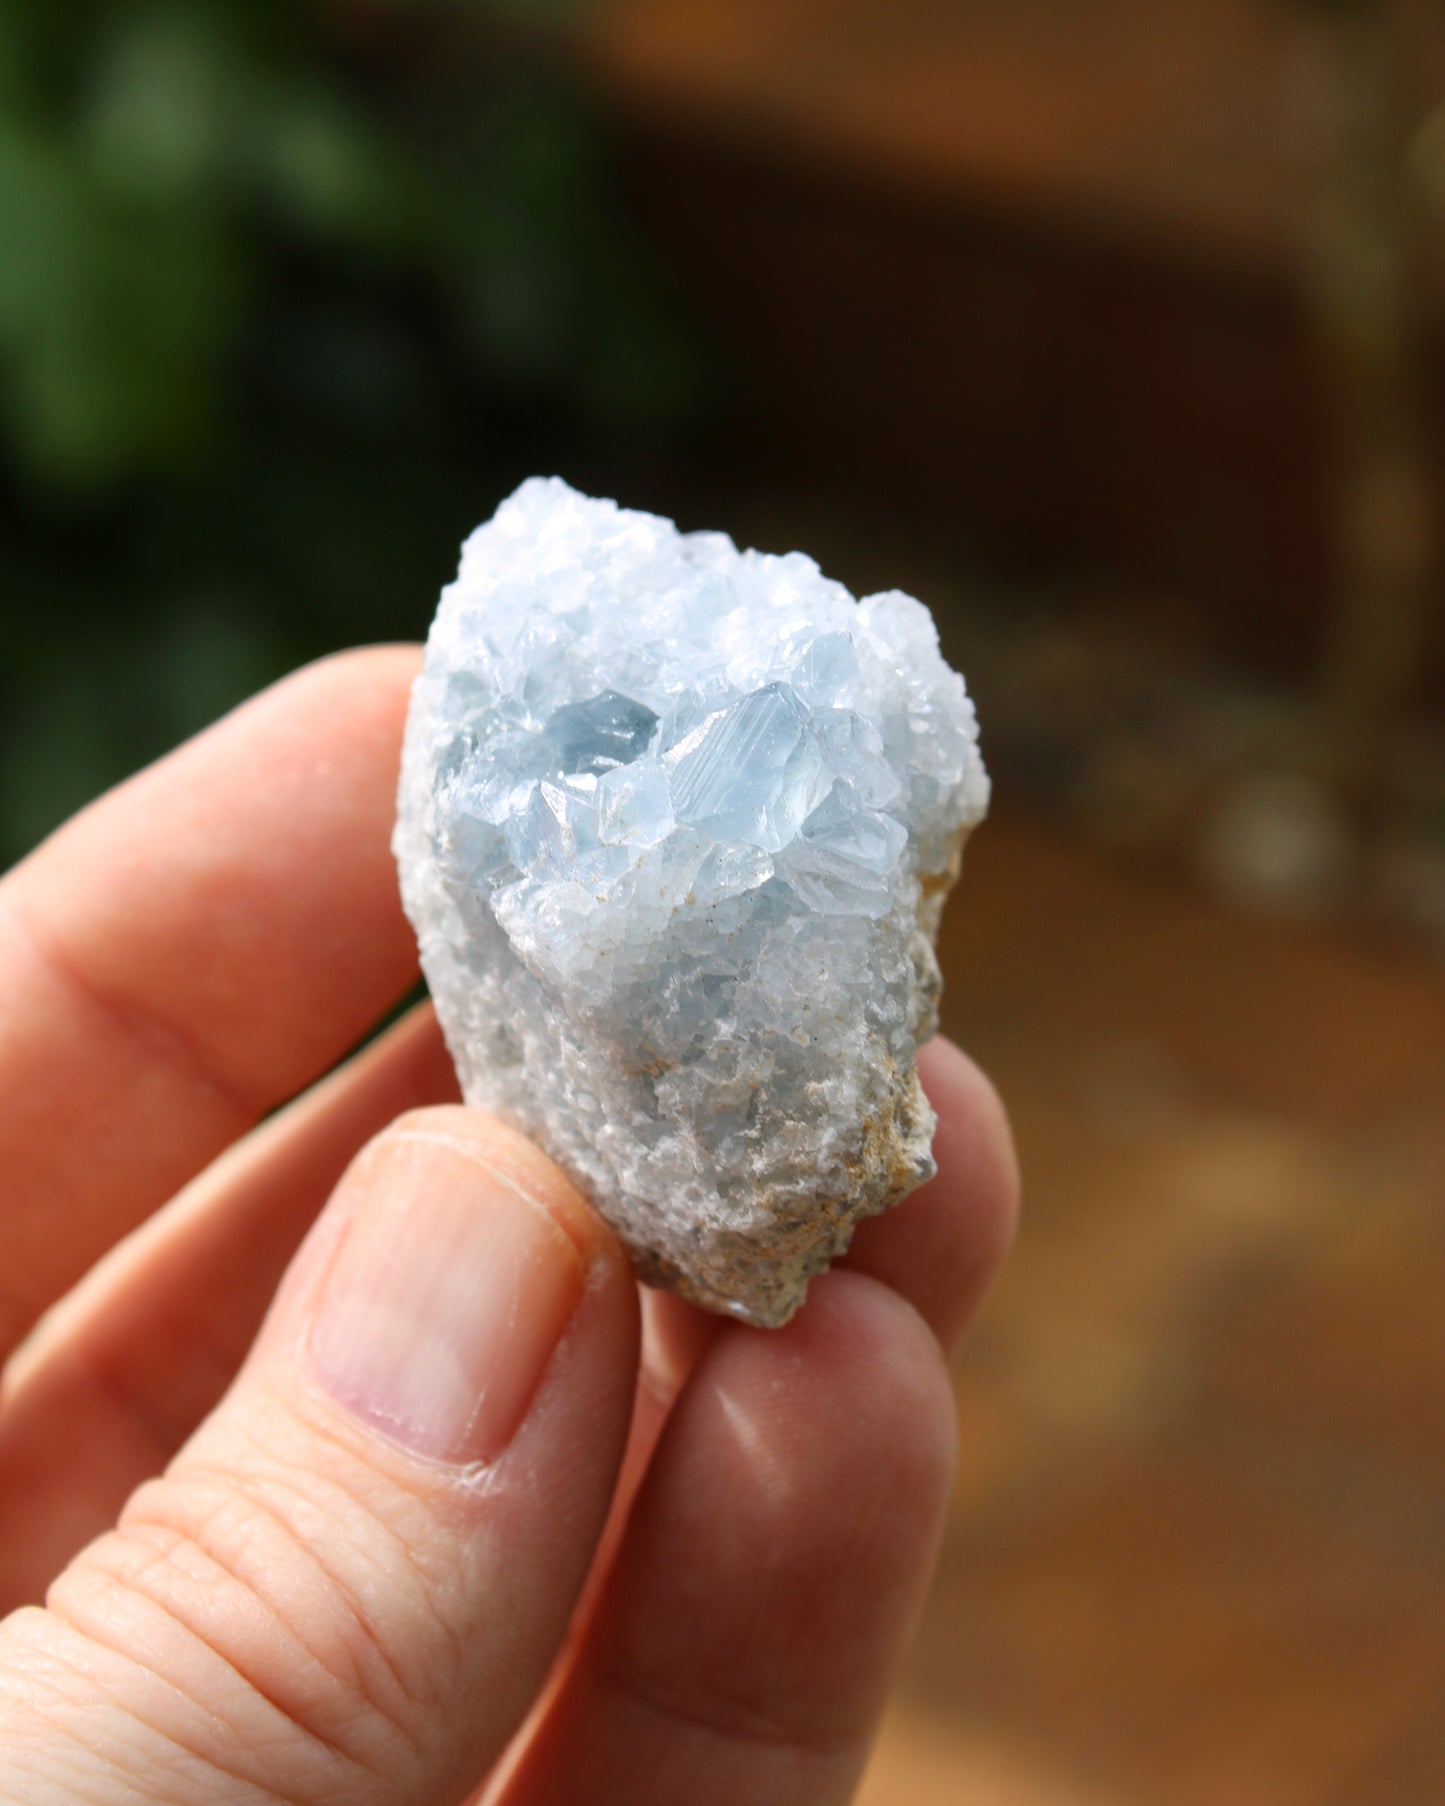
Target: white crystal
(676,825)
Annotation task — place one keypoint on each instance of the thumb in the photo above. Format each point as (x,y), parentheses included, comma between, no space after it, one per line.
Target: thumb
(350,1583)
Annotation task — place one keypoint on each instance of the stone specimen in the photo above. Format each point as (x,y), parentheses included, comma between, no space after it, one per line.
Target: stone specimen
(676,826)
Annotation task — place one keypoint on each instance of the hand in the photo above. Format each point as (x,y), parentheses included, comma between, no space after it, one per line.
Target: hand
(379,1508)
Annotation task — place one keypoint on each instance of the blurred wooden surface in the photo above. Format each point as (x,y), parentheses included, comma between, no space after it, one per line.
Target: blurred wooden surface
(1037,271)
(1197,1552)
(1164,119)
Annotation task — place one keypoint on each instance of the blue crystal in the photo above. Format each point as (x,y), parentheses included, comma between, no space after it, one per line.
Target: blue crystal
(675,826)
(635,806)
(604,731)
(748,772)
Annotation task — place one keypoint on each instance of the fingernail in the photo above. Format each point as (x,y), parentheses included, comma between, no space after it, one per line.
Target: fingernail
(444,1301)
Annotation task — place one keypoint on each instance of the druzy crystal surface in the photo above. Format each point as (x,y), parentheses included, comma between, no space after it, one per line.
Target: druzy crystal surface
(676,825)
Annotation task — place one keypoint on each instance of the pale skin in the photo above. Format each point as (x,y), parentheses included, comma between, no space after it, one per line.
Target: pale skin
(247,1557)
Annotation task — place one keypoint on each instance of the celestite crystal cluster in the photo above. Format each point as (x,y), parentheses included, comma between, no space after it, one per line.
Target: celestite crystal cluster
(676,826)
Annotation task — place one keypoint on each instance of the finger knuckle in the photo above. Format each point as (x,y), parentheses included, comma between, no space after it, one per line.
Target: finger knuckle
(264,1598)
(710,1711)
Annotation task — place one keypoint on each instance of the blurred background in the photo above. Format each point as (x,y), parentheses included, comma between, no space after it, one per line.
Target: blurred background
(1111,328)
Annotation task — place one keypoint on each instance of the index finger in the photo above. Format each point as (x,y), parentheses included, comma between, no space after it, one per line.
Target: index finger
(189,952)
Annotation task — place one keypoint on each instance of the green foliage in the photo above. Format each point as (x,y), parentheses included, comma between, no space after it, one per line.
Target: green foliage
(288,297)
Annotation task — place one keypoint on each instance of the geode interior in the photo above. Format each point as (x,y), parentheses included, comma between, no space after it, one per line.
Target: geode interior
(676,825)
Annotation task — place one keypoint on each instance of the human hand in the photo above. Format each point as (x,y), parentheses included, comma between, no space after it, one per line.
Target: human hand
(363,1574)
